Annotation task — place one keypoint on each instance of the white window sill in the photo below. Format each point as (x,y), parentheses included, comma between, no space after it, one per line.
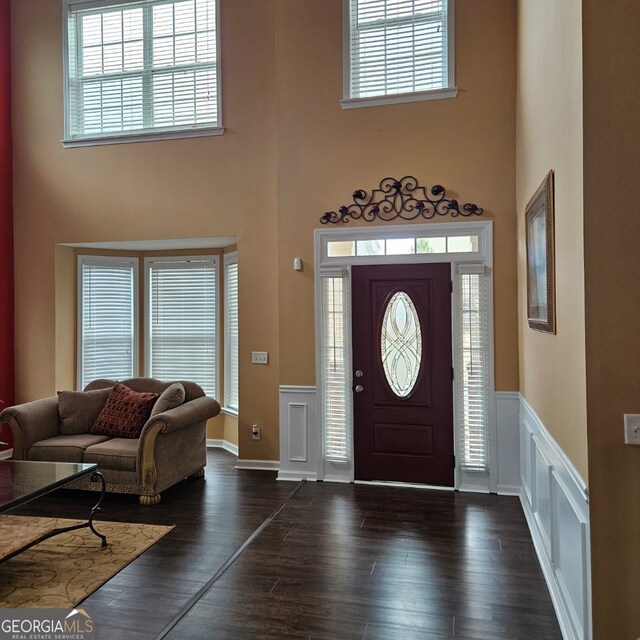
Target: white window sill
(229,412)
(142,137)
(399,98)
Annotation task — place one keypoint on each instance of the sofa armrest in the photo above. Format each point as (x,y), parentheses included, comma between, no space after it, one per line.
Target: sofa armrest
(195,411)
(173,428)
(31,422)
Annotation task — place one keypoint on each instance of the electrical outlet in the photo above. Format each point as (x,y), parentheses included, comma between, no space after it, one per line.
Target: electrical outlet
(632,428)
(259,357)
(256,432)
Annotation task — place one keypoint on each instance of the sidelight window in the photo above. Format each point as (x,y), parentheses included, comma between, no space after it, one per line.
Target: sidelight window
(336,412)
(473,368)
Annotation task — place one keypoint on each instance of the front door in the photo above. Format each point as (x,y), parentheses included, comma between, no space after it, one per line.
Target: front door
(402,373)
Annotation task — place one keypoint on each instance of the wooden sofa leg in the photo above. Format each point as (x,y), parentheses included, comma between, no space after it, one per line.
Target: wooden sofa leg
(198,474)
(149,500)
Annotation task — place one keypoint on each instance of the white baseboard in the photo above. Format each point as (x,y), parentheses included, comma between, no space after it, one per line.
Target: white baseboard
(506,490)
(555,502)
(259,465)
(296,476)
(218,443)
(5,455)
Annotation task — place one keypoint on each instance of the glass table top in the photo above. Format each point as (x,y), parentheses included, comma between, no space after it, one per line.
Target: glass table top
(24,480)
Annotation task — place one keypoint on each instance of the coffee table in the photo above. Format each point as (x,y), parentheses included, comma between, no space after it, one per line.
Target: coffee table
(22,481)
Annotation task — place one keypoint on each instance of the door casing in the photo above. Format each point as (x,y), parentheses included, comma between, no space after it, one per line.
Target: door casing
(463,480)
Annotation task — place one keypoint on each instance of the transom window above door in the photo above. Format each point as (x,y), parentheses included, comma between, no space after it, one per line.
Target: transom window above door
(402,246)
(140,70)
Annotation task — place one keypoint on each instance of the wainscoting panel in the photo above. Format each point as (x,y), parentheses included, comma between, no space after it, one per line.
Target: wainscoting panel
(298,433)
(542,496)
(508,442)
(555,501)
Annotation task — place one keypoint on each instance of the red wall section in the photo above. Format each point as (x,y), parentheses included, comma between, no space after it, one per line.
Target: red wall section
(6,218)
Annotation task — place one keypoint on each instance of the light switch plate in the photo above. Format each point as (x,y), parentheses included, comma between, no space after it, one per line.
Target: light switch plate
(632,428)
(259,357)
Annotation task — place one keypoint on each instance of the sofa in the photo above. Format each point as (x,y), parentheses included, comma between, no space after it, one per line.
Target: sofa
(170,446)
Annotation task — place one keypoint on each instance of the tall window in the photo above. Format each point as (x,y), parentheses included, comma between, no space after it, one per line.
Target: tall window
(145,67)
(473,368)
(231,357)
(398,47)
(336,412)
(107,318)
(181,324)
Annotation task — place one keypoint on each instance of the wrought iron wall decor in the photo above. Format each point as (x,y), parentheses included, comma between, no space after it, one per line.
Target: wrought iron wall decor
(403,199)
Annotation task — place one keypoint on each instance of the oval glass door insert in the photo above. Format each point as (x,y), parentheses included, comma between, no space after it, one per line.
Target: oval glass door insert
(401,344)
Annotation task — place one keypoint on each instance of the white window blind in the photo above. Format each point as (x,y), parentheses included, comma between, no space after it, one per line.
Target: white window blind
(472,370)
(335,374)
(107,319)
(397,46)
(181,320)
(231,357)
(140,67)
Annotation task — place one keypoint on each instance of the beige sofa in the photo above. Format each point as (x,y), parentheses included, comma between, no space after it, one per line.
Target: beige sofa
(171,446)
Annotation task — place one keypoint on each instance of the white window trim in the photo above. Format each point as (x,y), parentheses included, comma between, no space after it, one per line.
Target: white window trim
(229,258)
(147,309)
(348,102)
(463,480)
(106,261)
(142,137)
(71,143)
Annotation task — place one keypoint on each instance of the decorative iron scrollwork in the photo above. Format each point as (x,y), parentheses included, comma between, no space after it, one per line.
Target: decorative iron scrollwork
(403,199)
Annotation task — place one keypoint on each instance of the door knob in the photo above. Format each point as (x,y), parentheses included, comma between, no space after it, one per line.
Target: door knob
(359,388)
(359,374)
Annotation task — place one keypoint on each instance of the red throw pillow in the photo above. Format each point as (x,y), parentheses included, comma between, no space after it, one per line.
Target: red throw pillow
(125,413)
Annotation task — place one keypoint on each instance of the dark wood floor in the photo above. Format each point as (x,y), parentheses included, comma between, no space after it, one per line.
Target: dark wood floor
(338,562)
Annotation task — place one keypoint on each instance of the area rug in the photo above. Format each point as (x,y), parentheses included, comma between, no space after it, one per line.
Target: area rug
(64,570)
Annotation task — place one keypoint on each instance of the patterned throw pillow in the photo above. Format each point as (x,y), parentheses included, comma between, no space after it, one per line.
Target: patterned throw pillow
(125,413)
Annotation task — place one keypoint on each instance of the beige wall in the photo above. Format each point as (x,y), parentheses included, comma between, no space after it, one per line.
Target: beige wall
(289,154)
(549,136)
(612,276)
(325,153)
(203,187)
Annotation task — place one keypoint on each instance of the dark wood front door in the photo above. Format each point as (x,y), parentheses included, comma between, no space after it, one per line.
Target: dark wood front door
(402,374)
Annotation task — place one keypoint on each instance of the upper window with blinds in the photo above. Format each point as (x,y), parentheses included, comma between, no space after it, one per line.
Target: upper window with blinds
(398,51)
(141,70)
